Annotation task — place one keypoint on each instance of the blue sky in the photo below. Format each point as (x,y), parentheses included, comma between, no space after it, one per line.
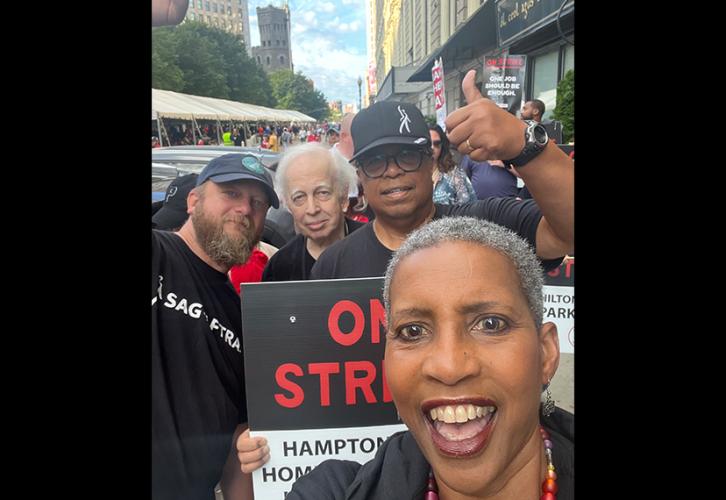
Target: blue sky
(328,43)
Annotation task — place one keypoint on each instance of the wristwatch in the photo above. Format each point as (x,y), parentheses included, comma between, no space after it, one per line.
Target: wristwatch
(535,141)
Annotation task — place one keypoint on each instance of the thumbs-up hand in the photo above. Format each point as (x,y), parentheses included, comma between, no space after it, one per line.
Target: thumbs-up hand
(483,130)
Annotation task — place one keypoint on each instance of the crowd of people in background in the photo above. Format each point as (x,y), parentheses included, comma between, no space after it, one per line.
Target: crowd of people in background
(273,136)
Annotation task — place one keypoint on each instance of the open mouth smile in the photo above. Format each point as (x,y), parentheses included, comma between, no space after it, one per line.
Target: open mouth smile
(461,429)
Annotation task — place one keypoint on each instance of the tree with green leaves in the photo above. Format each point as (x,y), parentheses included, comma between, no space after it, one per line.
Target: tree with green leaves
(335,115)
(165,73)
(565,109)
(296,91)
(246,80)
(198,59)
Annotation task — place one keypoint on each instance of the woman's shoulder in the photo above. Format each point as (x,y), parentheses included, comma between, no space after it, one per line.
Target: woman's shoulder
(397,470)
(328,481)
(561,422)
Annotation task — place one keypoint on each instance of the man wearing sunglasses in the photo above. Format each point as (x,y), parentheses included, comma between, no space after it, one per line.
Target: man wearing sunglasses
(392,153)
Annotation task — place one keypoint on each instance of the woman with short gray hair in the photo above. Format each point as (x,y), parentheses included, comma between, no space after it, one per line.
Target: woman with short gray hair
(467,358)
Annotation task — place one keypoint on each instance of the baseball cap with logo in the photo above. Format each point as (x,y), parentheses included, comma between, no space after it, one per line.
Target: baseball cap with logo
(388,122)
(237,167)
(173,213)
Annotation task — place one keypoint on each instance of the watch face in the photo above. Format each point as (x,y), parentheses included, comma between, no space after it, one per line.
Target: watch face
(540,134)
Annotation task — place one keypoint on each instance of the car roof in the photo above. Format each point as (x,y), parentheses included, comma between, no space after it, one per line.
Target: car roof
(194,158)
(162,171)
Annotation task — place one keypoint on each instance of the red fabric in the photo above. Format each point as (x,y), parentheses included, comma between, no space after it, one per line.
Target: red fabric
(250,271)
(358,218)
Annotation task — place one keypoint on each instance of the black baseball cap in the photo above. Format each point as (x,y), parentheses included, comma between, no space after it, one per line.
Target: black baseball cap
(388,122)
(236,167)
(173,213)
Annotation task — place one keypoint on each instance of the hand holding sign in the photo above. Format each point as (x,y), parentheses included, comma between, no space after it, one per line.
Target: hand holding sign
(481,129)
(252,452)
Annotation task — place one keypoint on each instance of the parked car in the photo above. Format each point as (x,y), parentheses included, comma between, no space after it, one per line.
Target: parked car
(198,156)
(169,162)
(161,177)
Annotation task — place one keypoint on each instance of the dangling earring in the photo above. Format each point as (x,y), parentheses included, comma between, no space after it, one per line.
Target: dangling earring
(548,406)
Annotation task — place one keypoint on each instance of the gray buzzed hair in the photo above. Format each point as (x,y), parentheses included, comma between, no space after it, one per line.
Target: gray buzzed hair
(343,173)
(480,232)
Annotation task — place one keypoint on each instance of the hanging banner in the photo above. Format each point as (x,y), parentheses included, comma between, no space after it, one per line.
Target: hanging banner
(503,80)
(372,84)
(437,75)
(314,375)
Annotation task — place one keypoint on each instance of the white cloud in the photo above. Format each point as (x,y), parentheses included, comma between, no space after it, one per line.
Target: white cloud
(309,18)
(298,29)
(348,2)
(352,26)
(333,68)
(336,25)
(333,23)
(326,7)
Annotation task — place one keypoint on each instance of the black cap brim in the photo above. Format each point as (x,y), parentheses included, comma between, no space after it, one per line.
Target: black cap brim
(398,140)
(239,176)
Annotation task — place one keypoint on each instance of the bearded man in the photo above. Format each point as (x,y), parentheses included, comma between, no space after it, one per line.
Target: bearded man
(198,385)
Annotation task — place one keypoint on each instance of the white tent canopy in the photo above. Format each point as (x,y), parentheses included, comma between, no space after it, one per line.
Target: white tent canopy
(168,104)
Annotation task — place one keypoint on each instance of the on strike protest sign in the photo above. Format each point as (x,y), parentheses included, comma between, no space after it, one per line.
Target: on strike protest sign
(503,80)
(314,375)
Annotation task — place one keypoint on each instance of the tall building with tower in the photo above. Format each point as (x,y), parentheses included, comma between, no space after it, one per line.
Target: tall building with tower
(230,15)
(274,52)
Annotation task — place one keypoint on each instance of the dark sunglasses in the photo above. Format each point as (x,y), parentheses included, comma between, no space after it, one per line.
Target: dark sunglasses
(407,160)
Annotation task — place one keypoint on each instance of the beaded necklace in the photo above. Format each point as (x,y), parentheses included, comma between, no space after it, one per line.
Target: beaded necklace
(549,485)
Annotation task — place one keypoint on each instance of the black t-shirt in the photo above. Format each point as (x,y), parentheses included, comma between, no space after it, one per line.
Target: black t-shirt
(293,261)
(361,255)
(399,470)
(198,393)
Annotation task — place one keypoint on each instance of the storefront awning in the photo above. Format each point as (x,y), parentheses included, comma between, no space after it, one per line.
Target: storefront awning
(476,36)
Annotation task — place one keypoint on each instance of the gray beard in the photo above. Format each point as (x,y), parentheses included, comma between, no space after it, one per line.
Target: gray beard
(225,250)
